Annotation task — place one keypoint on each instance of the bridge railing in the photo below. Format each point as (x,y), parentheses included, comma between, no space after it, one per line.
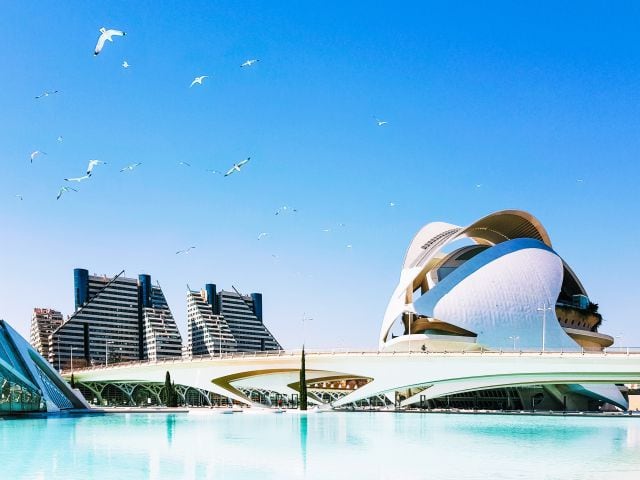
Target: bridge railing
(626,351)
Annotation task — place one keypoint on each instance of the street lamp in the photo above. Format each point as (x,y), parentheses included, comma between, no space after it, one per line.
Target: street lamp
(544,310)
(515,338)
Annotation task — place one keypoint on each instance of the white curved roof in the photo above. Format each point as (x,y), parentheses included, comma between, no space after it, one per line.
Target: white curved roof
(490,230)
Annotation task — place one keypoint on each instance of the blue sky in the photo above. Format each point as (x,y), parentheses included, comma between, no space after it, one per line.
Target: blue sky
(524,100)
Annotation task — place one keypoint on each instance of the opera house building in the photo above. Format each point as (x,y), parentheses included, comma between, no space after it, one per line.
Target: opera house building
(495,284)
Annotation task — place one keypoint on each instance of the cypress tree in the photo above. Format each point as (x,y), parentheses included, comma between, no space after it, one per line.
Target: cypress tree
(303,383)
(175,394)
(170,391)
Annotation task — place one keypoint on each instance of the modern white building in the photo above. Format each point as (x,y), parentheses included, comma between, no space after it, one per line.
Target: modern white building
(495,284)
(483,316)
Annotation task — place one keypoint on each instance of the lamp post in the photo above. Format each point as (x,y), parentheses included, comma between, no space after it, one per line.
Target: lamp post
(544,310)
(515,338)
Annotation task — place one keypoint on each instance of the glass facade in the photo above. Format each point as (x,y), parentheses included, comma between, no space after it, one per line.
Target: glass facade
(27,381)
(80,286)
(16,397)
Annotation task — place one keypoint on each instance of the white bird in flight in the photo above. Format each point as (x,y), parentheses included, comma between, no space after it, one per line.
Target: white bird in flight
(35,153)
(248,63)
(63,190)
(46,94)
(262,235)
(391,204)
(237,166)
(19,197)
(125,64)
(184,164)
(380,122)
(349,246)
(185,251)
(106,35)
(59,138)
(129,168)
(93,164)
(198,80)
(286,209)
(78,179)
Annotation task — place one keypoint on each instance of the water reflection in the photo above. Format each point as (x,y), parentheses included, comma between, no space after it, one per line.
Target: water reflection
(319,446)
(303,426)
(171,422)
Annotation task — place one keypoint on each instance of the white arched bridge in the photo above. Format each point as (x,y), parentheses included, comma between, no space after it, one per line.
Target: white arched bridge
(339,379)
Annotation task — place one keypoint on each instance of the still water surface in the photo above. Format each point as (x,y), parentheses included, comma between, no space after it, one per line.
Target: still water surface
(319,446)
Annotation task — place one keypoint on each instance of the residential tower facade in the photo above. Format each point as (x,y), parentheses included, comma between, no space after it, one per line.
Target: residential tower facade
(116,319)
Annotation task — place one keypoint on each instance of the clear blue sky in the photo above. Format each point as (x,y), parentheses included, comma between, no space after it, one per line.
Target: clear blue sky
(524,100)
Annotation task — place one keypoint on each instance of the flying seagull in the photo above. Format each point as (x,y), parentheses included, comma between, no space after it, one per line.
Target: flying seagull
(63,190)
(248,63)
(128,168)
(262,235)
(184,164)
(391,204)
(198,80)
(125,64)
(106,35)
(237,166)
(78,179)
(326,230)
(46,94)
(285,209)
(35,153)
(186,251)
(92,164)
(59,138)
(380,122)
(349,246)
(19,197)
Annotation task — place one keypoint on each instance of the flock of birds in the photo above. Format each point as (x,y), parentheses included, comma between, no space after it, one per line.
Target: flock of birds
(107,35)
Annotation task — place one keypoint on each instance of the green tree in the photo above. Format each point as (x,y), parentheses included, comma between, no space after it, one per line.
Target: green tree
(170,391)
(303,382)
(72,382)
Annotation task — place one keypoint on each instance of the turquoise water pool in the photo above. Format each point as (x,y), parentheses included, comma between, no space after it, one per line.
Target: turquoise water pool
(319,446)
